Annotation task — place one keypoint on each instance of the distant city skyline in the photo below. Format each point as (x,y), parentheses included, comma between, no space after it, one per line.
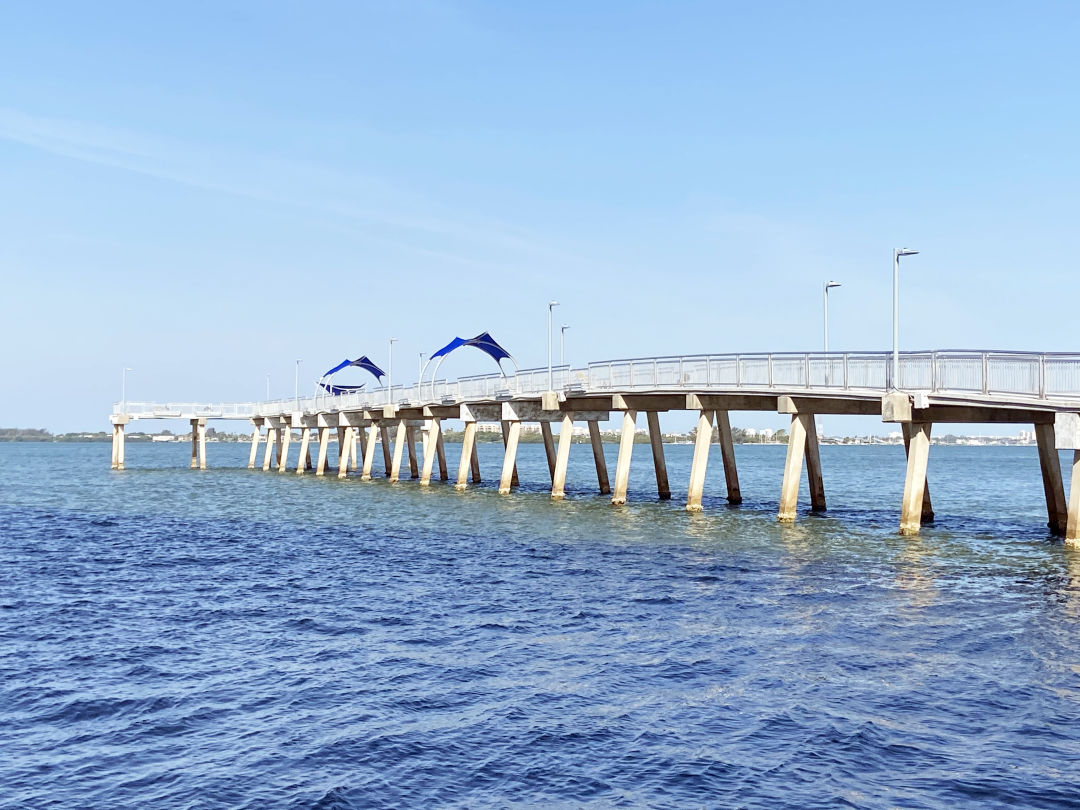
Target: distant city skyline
(206,194)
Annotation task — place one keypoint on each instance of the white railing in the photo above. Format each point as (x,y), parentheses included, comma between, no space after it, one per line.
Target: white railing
(1011,374)
(1051,377)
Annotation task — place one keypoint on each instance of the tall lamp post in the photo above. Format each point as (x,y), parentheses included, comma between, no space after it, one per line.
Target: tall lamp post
(562,344)
(896,254)
(420,377)
(828,286)
(390,374)
(123,389)
(551,378)
(296,387)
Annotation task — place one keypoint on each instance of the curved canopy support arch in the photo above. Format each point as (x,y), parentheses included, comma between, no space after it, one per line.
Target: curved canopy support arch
(363,362)
(484,342)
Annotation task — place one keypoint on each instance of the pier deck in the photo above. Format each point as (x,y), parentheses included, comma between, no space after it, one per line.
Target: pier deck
(1042,390)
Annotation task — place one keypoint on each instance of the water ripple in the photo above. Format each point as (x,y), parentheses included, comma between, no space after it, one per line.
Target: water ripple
(171,638)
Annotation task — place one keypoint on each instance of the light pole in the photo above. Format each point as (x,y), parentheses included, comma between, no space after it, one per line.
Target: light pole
(896,254)
(267,387)
(551,378)
(828,286)
(562,344)
(123,389)
(390,374)
(420,377)
(296,388)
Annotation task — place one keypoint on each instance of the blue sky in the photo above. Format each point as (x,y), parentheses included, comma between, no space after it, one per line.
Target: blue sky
(206,191)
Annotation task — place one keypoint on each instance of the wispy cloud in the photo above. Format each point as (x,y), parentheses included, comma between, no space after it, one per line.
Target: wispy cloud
(381,210)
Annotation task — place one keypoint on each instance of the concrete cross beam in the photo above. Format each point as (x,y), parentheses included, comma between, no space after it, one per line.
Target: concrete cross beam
(730,402)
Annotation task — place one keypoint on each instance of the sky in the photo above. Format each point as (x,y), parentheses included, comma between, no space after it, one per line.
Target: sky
(207,191)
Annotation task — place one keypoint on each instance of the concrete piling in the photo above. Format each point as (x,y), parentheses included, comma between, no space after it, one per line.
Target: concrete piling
(656,440)
(622,464)
(562,458)
(915,481)
(598,457)
(511,433)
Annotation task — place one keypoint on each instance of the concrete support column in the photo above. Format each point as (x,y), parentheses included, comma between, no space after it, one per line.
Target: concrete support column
(256,434)
(511,434)
(700,462)
(505,425)
(468,440)
(549,448)
(813,467)
(373,432)
(1072,529)
(342,449)
(656,439)
(118,423)
(432,434)
(598,457)
(562,458)
(915,480)
(202,444)
(286,439)
(369,452)
(440,451)
(115,447)
(399,449)
(271,442)
(727,453)
(346,445)
(796,449)
(626,449)
(384,436)
(927,506)
(1053,486)
(410,440)
(474,461)
(194,443)
(304,459)
(362,439)
(324,445)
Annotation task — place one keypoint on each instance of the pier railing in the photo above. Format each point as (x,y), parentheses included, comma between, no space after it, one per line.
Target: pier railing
(1052,377)
(1018,374)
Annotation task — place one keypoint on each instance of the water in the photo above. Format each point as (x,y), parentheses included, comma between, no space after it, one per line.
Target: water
(233,638)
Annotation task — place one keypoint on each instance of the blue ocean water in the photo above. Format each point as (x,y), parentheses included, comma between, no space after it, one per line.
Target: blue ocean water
(231,638)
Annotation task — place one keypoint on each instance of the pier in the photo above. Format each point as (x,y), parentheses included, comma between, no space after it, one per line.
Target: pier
(931,387)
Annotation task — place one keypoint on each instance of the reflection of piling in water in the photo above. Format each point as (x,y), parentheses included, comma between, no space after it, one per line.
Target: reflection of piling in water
(401,426)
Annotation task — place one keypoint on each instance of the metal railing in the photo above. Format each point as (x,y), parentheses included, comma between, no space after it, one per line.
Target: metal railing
(1050,377)
(1025,375)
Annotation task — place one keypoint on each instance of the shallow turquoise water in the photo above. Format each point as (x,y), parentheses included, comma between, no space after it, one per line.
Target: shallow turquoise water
(234,638)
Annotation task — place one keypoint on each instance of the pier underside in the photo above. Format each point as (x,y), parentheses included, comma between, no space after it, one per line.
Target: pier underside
(400,429)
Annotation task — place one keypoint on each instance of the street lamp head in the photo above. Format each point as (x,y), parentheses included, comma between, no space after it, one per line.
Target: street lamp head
(830,284)
(552,304)
(905,252)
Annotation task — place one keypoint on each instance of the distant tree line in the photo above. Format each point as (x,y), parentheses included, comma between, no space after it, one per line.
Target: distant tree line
(743,436)
(739,436)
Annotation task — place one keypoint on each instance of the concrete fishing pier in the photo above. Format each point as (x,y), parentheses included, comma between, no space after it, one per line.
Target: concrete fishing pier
(932,387)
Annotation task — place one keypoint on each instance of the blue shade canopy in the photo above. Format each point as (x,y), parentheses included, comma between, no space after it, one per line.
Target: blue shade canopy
(340,389)
(484,342)
(364,363)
